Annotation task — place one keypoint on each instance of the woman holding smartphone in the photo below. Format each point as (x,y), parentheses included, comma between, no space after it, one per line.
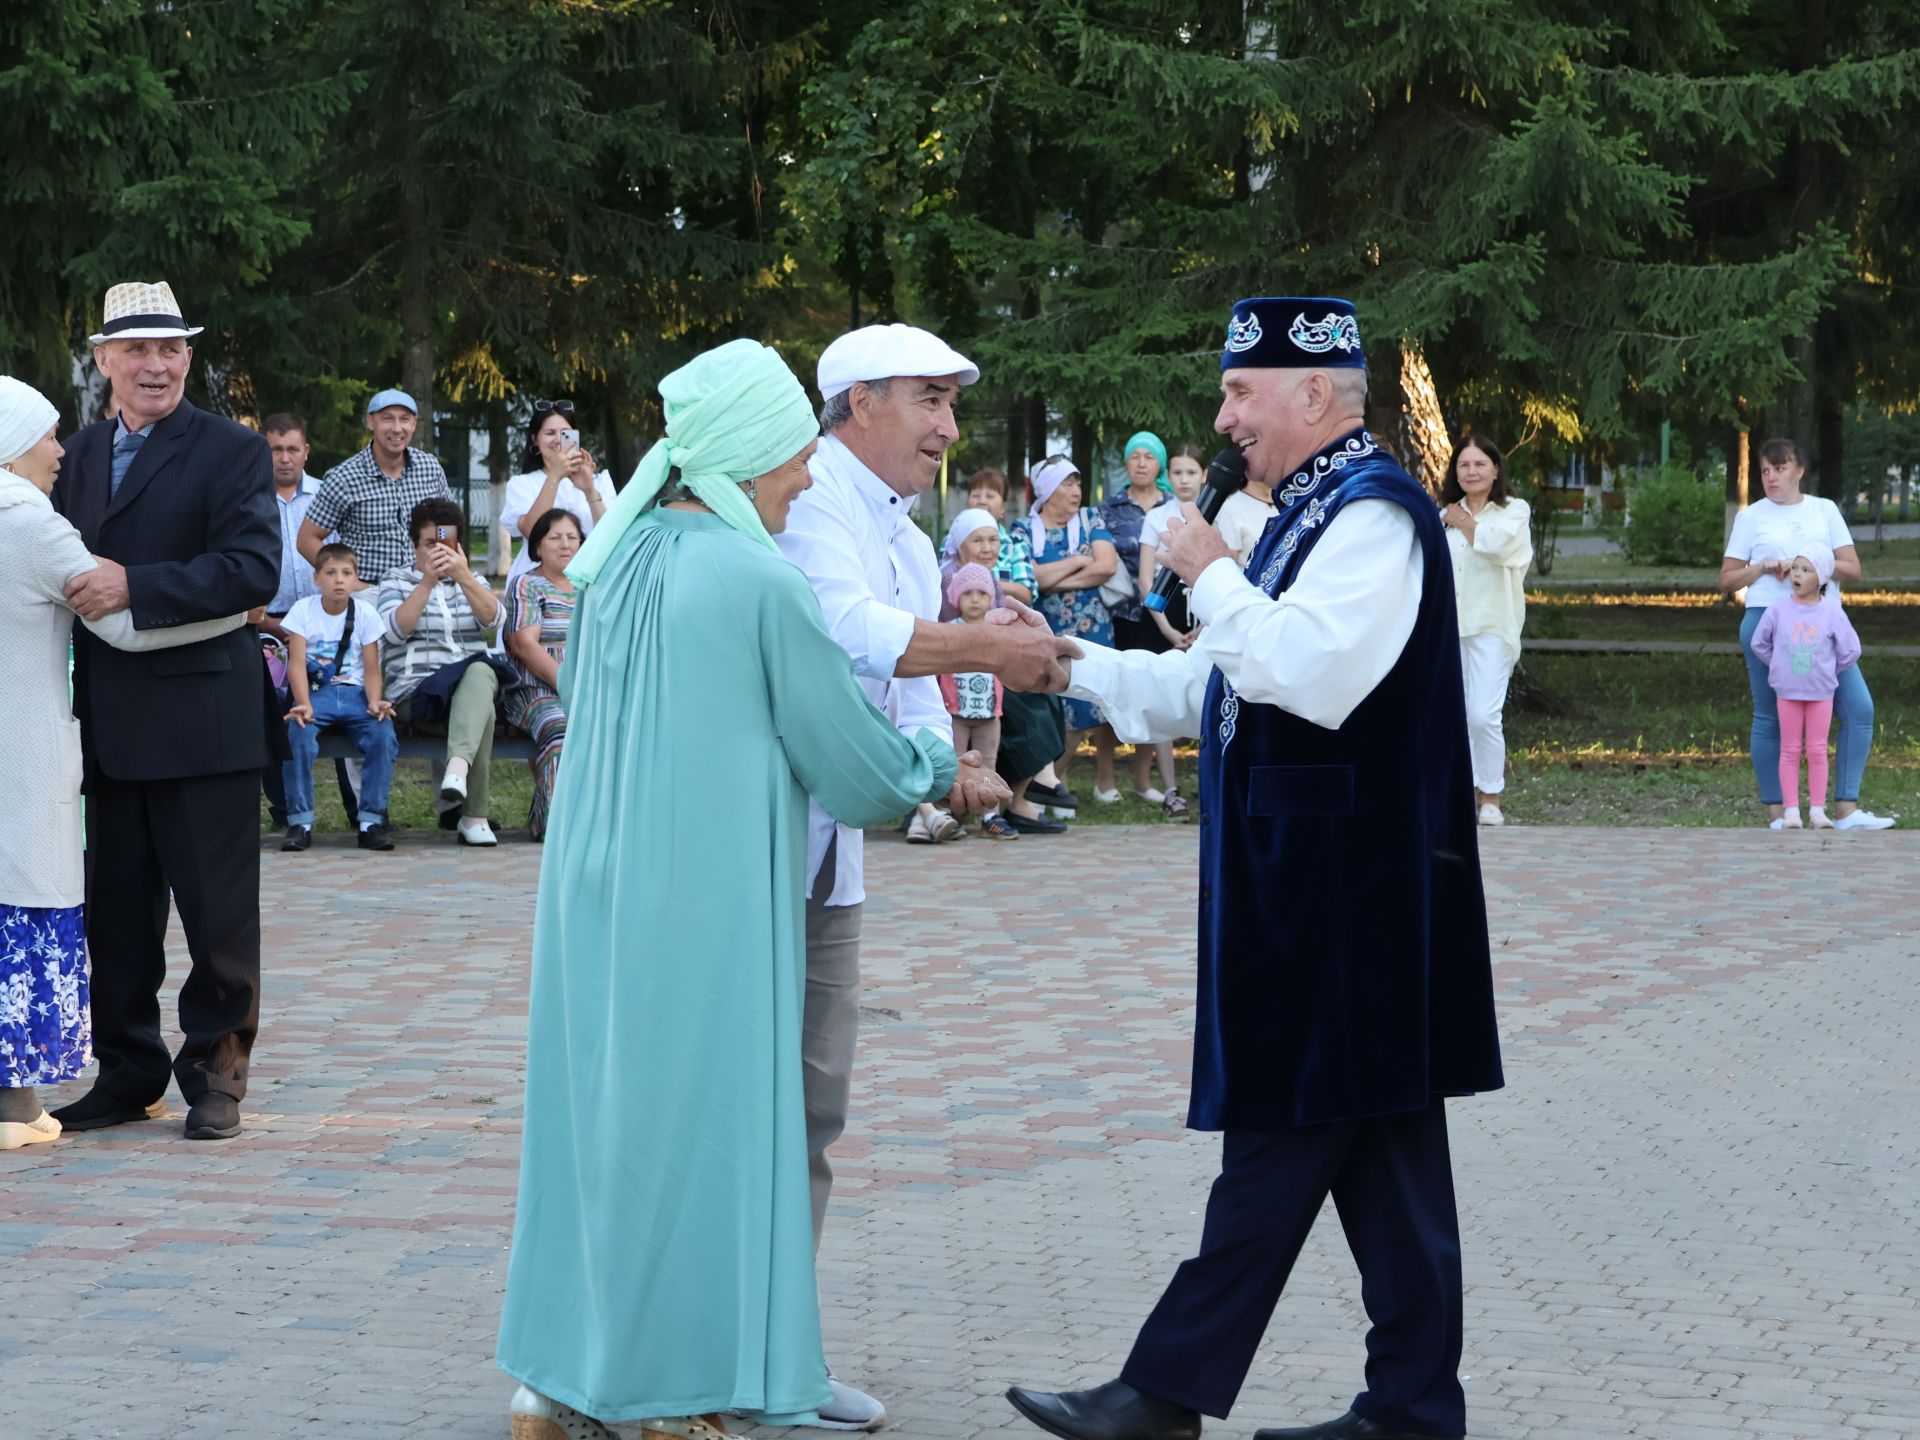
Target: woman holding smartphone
(558,475)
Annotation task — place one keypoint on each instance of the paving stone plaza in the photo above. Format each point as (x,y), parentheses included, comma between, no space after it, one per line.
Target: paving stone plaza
(1693,1212)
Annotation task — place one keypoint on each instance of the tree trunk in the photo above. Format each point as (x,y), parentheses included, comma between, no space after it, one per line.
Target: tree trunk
(416,307)
(1082,446)
(1739,464)
(499,469)
(1830,445)
(1423,428)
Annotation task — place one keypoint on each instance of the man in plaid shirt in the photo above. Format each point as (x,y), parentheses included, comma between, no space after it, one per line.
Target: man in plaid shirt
(367,497)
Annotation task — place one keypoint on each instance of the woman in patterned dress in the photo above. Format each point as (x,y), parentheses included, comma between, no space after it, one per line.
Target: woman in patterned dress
(45,1031)
(539,612)
(1073,556)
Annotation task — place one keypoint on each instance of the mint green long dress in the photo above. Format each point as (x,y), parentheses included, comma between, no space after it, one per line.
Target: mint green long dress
(663,1246)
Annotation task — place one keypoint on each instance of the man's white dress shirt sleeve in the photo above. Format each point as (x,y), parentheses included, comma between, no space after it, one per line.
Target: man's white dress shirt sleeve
(1316,651)
(823,542)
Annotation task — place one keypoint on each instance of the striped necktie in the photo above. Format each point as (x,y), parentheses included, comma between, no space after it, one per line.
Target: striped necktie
(126,445)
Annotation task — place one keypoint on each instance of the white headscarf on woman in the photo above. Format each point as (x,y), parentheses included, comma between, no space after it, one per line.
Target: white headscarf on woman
(964,524)
(25,416)
(1050,476)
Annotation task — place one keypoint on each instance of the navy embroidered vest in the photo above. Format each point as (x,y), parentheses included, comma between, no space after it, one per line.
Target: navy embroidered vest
(1344,969)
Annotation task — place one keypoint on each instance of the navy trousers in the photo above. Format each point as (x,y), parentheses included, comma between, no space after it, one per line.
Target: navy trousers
(1391,1179)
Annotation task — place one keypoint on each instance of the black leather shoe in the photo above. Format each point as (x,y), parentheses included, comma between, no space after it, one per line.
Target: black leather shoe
(299,837)
(1041,826)
(213,1117)
(374,837)
(1348,1427)
(1055,795)
(1113,1411)
(96,1110)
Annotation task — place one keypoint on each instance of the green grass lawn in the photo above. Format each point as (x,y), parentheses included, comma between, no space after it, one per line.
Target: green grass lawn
(1882,617)
(412,803)
(1895,558)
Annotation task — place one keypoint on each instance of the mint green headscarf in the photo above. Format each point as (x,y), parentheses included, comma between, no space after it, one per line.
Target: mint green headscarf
(1147,440)
(733,413)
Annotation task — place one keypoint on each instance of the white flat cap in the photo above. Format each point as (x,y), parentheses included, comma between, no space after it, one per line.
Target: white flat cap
(881,352)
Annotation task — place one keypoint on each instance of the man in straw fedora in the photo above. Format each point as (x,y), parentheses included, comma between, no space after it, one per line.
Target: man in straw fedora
(178,505)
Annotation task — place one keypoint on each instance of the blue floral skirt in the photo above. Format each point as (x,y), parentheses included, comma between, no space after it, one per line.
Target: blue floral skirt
(46,1031)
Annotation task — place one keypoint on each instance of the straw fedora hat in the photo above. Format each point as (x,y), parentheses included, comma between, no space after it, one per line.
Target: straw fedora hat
(141,311)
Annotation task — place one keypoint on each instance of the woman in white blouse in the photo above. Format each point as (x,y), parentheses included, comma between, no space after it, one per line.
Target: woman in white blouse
(1764,539)
(559,475)
(45,1032)
(1490,537)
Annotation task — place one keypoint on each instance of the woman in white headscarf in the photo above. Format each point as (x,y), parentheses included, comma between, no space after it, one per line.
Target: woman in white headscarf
(45,1033)
(662,1265)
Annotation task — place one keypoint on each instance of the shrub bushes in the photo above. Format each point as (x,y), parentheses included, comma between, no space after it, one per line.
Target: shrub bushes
(1674,517)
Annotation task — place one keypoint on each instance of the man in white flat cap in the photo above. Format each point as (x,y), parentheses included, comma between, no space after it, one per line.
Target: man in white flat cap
(888,420)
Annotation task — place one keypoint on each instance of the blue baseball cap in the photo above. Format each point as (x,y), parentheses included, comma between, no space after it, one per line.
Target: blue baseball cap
(392,397)
(1293,332)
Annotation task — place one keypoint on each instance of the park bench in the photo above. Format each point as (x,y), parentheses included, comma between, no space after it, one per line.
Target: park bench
(508,744)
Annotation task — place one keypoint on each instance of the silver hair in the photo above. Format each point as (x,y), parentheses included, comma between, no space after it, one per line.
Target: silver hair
(839,410)
(1350,388)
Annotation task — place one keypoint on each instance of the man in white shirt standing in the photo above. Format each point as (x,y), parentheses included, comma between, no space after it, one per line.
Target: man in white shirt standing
(888,420)
(1344,986)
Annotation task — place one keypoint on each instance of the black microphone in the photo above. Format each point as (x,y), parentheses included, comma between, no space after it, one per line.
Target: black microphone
(1226,474)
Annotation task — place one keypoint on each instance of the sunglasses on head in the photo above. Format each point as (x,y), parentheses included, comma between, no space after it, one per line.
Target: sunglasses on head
(547,407)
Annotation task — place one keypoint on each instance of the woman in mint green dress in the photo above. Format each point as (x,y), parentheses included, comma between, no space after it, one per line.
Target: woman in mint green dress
(662,1266)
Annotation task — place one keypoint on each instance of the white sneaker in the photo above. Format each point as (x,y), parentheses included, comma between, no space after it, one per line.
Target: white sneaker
(1791,820)
(1107,797)
(945,827)
(1776,825)
(15,1133)
(851,1409)
(533,1416)
(1864,820)
(1490,814)
(474,830)
(917,831)
(1152,796)
(453,785)
(1817,818)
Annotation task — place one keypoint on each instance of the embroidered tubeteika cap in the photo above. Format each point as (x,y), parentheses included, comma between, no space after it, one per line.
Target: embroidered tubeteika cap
(1293,332)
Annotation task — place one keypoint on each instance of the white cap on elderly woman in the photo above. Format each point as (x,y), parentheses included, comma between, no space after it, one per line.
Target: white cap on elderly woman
(1050,476)
(884,352)
(1820,557)
(964,525)
(25,417)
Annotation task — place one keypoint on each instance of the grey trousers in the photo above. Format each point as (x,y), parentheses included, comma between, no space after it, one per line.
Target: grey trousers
(831,1027)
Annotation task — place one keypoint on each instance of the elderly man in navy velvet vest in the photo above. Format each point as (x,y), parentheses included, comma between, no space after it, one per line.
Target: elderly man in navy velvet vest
(1345,988)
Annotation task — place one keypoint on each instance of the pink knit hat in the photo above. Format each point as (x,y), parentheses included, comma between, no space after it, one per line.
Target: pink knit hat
(969,577)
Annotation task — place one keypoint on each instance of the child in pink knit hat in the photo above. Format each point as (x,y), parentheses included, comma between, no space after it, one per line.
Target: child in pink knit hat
(974,699)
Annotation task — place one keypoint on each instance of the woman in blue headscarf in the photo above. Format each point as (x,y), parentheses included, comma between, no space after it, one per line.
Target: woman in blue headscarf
(1124,513)
(662,1266)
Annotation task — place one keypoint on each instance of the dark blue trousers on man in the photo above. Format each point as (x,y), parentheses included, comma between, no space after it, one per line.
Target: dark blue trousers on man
(1391,1179)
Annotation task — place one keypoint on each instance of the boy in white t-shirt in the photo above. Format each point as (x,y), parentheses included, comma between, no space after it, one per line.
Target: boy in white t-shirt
(333,674)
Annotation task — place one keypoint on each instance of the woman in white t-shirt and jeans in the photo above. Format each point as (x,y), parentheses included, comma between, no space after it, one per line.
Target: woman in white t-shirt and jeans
(1765,538)
(559,476)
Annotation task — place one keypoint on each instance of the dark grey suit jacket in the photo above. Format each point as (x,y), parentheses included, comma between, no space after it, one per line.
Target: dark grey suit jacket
(194,524)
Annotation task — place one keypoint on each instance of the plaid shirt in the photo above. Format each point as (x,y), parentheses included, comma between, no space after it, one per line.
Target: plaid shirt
(1016,558)
(369,508)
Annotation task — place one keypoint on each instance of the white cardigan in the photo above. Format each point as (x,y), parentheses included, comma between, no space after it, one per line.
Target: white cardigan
(40,834)
(1490,575)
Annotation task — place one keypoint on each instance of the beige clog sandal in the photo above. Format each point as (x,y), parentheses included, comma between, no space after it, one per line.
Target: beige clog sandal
(535,1417)
(15,1133)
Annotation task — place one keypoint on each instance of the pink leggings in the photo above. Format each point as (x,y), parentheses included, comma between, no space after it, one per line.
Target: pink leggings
(1803,726)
